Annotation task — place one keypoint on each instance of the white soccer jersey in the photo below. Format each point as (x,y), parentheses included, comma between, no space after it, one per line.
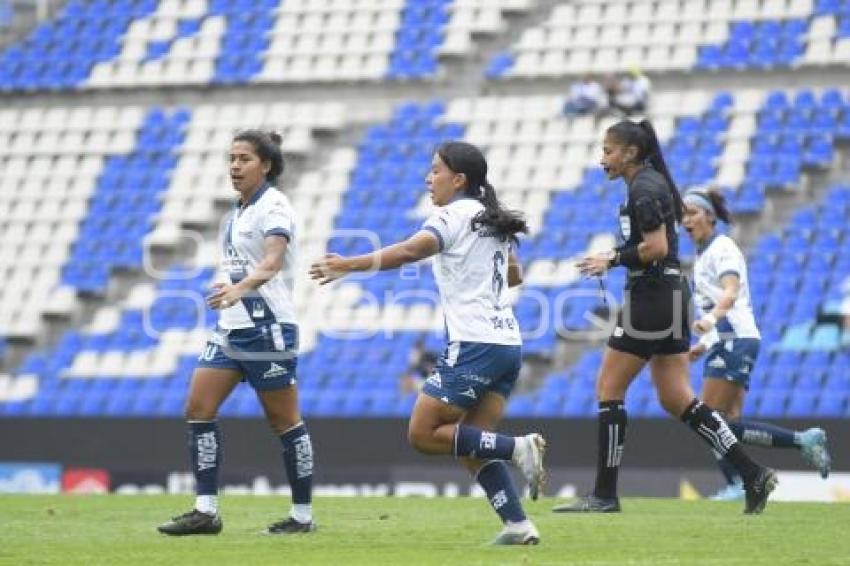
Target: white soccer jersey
(268,213)
(723,257)
(471,271)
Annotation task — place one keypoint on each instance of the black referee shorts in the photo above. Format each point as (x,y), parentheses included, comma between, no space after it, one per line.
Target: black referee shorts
(655,318)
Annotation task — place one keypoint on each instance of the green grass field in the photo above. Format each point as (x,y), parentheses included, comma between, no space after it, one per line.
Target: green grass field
(386,531)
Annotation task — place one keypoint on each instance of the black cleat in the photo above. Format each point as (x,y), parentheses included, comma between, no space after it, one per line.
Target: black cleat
(589,504)
(759,490)
(192,523)
(290,526)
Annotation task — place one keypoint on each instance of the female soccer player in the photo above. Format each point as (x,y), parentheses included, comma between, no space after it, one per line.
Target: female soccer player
(732,339)
(256,338)
(472,238)
(652,325)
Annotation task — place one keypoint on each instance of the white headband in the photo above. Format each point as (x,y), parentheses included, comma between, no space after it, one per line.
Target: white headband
(699,199)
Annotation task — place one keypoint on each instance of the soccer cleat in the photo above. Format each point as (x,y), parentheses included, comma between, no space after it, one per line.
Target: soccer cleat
(528,457)
(524,533)
(814,450)
(192,523)
(590,504)
(732,492)
(759,490)
(290,526)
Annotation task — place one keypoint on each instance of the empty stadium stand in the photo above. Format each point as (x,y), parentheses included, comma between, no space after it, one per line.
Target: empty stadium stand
(88,189)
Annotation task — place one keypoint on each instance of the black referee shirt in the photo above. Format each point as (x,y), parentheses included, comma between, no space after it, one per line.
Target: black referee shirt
(648,206)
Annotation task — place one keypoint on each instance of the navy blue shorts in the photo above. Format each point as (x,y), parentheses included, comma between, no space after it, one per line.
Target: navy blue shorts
(468,370)
(732,360)
(266,356)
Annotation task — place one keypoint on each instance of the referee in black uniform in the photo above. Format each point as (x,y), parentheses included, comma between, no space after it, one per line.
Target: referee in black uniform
(653,323)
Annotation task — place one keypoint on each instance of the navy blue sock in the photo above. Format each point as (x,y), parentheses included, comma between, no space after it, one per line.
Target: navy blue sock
(476,443)
(727,469)
(763,434)
(205,447)
(298,461)
(496,480)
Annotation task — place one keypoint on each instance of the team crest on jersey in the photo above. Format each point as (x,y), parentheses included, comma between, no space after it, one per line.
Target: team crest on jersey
(717,363)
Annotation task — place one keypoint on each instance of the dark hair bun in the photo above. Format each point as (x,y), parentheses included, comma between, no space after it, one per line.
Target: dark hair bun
(276,138)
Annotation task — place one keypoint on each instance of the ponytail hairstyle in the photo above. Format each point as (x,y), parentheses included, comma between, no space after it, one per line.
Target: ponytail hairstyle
(465,158)
(642,136)
(267,147)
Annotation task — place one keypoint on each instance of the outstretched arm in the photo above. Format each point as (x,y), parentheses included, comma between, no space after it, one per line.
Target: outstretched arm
(514,270)
(419,246)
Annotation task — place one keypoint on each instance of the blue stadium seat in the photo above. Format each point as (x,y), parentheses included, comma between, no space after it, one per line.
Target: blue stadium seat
(802,404)
(831,404)
(772,403)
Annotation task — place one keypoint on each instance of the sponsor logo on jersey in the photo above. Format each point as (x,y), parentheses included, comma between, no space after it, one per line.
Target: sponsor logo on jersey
(470,392)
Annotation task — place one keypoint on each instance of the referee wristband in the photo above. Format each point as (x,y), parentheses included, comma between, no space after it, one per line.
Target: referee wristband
(630,258)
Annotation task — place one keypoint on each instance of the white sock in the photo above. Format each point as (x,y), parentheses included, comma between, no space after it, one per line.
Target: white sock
(301,512)
(207,504)
(519,527)
(519,449)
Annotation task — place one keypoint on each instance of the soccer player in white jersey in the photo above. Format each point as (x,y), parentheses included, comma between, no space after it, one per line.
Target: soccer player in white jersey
(731,339)
(255,340)
(472,239)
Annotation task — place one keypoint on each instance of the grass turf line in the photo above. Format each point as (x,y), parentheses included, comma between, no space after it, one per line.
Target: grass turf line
(385,531)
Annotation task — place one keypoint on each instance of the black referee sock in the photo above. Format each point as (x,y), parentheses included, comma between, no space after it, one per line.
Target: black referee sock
(612,435)
(713,429)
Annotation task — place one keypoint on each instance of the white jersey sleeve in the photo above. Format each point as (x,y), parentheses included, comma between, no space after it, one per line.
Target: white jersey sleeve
(278,220)
(727,259)
(447,225)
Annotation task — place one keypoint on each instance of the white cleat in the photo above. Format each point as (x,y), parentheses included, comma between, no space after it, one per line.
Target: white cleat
(528,457)
(524,533)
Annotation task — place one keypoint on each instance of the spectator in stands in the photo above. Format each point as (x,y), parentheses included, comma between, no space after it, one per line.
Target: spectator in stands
(422,364)
(652,325)
(630,94)
(586,97)
(472,238)
(732,339)
(838,314)
(256,339)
